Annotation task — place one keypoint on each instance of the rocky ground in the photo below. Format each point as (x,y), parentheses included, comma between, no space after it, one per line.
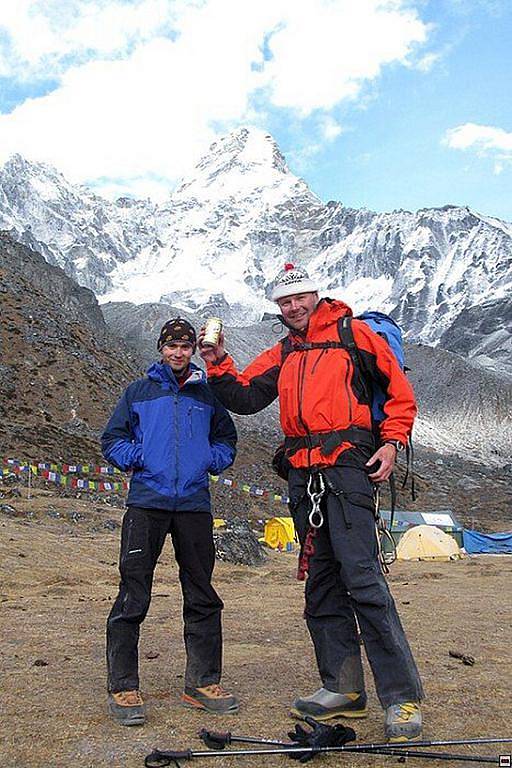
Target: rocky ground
(58,576)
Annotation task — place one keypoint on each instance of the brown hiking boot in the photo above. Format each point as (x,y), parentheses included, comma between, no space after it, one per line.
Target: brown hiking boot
(127,707)
(213,698)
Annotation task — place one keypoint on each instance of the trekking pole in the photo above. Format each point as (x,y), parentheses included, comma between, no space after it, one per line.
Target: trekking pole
(160,759)
(217,739)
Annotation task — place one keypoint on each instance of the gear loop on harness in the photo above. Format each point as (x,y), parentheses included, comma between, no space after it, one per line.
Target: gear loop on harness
(315,490)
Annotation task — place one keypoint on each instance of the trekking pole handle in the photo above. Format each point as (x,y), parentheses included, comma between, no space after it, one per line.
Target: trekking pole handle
(160,759)
(219,739)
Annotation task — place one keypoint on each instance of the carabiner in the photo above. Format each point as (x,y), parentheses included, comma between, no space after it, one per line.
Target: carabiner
(316,518)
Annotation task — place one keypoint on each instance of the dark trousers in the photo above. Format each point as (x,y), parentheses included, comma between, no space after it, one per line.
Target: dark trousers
(345,582)
(142,538)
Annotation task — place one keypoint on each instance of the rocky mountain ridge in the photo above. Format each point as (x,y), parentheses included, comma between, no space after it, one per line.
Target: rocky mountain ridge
(219,240)
(61,369)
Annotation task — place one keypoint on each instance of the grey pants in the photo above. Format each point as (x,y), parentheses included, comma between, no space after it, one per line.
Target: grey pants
(345,582)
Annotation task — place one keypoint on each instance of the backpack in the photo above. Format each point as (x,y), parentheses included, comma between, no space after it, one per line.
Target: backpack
(384,326)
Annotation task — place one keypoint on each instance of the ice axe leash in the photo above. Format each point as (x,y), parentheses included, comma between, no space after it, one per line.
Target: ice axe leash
(315,492)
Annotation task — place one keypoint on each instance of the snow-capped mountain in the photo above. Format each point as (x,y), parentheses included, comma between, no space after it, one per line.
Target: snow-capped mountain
(219,240)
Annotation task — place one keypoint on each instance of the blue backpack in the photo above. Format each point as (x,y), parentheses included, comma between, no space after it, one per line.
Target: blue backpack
(386,327)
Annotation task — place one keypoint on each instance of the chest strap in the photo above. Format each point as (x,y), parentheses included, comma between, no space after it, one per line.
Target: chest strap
(329,441)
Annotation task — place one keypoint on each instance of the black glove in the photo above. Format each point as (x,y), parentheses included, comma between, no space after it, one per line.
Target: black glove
(319,736)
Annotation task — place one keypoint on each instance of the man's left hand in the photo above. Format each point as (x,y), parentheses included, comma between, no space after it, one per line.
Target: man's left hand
(385,457)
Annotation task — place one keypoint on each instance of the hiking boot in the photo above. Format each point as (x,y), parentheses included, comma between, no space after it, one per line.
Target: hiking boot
(127,707)
(324,704)
(213,698)
(403,722)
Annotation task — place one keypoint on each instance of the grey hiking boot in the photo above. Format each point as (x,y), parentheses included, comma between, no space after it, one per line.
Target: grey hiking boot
(127,707)
(403,722)
(324,704)
(212,698)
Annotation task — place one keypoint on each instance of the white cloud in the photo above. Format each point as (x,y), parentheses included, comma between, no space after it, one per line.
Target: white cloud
(44,34)
(485,140)
(144,86)
(330,128)
(324,50)
(429,61)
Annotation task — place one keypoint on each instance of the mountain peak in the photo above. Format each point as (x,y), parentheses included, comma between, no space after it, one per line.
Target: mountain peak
(245,157)
(249,146)
(17,163)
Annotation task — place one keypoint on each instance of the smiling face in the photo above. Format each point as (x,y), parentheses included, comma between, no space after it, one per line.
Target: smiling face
(297,309)
(177,355)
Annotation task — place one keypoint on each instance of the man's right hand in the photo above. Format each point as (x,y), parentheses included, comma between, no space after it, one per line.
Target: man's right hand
(208,353)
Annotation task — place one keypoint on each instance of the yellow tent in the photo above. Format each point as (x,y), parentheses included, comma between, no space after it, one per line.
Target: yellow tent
(426,542)
(218,522)
(279,531)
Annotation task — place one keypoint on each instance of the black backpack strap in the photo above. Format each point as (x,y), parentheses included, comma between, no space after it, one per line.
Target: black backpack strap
(286,348)
(409,469)
(360,371)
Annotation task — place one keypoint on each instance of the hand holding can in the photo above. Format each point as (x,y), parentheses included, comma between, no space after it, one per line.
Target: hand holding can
(210,350)
(212,331)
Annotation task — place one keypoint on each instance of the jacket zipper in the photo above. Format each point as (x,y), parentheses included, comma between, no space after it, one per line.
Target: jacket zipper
(300,392)
(318,360)
(176,422)
(347,390)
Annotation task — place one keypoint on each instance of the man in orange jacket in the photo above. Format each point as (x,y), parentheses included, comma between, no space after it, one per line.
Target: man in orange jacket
(333,452)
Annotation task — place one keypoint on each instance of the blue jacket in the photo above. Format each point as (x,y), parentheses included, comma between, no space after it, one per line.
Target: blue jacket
(171,438)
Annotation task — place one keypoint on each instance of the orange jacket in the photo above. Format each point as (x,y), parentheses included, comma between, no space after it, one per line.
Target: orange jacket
(315,387)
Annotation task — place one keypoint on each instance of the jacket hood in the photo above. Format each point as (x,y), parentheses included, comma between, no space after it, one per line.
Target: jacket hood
(164,375)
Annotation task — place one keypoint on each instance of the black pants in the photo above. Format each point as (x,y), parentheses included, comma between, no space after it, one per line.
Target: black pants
(142,538)
(345,582)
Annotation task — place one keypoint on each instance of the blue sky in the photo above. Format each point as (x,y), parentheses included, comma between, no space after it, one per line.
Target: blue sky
(378,103)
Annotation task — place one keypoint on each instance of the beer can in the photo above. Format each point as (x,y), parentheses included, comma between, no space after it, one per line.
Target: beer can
(212,330)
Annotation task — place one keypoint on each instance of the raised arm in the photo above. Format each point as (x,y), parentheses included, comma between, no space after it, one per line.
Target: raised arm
(249,391)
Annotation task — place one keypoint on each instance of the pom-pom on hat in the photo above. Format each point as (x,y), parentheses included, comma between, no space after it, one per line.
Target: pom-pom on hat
(177,329)
(292,280)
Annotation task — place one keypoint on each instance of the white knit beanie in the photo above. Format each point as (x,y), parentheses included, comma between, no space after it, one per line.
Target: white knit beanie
(292,280)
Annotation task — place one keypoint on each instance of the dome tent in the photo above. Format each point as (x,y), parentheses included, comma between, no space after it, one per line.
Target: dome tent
(426,542)
(279,532)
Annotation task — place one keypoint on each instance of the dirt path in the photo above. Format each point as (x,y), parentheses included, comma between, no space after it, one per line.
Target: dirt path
(58,578)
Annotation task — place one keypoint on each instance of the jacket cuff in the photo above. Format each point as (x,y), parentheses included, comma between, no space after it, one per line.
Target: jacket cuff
(219,367)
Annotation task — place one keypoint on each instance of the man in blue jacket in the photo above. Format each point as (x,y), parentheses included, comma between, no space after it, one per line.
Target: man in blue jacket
(171,431)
